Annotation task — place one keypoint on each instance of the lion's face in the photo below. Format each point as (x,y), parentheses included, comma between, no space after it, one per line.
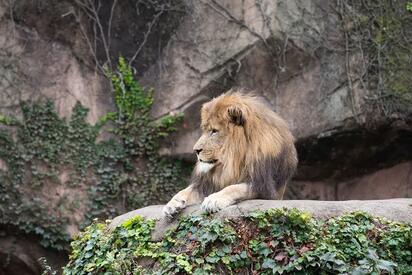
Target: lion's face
(210,147)
(220,123)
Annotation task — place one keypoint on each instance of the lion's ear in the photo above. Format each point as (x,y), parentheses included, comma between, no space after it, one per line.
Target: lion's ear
(236,115)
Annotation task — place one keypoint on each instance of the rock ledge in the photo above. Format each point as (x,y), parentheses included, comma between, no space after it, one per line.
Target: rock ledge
(393,209)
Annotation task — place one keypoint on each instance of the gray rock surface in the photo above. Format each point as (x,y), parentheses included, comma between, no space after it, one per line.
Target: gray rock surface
(290,52)
(293,54)
(393,209)
(33,68)
(282,50)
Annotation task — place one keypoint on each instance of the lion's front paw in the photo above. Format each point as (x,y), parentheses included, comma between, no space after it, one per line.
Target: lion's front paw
(173,207)
(216,202)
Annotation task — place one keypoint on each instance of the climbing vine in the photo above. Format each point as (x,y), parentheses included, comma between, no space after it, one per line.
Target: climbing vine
(409,6)
(276,241)
(379,33)
(58,173)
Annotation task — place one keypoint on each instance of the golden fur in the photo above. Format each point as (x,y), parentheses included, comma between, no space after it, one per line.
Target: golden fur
(243,142)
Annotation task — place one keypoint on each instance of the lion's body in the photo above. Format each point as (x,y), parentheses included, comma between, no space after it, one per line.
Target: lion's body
(244,144)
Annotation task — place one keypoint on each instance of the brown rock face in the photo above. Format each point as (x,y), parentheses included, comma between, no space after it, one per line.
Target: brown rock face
(392,182)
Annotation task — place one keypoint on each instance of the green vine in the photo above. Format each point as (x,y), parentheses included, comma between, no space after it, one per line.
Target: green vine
(276,241)
(409,6)
(379,34)
(57,174)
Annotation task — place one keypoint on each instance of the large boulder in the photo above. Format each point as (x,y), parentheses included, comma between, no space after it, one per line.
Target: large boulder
(392,209)
(240,239)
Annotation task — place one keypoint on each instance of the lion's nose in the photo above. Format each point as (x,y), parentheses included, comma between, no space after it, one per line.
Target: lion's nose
(197,151)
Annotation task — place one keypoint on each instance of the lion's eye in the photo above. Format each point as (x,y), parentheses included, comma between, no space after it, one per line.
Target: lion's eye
(213,131)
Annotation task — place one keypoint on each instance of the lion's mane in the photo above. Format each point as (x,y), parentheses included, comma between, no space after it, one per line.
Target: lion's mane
(260,149)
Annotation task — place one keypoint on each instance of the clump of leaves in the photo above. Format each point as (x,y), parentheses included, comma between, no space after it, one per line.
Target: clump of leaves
(276,241)
(380,30)
(98,250)
(133,122)
(409,6)
(148,177)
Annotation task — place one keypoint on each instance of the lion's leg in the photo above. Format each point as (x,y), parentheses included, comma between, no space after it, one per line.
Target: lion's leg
(186,197)
(228,196)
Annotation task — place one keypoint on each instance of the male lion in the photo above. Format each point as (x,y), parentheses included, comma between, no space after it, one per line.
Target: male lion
(245,152)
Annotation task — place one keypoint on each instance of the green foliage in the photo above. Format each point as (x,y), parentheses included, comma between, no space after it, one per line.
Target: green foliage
(96,250)
(133,121)
(131,100)
(6,120)
(380,31)
(57,173)
(276,241)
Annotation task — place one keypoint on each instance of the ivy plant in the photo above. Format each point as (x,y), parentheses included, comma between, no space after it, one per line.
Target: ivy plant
(275,241)
(409,6)
(59,172)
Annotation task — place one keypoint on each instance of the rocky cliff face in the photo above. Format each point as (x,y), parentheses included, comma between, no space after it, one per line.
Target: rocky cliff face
(332,69)
(38,63)
(295,54)
(302,58)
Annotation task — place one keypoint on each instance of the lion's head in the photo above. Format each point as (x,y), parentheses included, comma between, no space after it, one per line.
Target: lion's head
(243,141)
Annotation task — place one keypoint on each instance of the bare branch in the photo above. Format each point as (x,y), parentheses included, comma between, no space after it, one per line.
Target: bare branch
(110,23)
(146,35)
(88,41)
(226,14)
(92,12)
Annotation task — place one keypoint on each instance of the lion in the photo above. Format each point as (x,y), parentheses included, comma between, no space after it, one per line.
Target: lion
(246,151)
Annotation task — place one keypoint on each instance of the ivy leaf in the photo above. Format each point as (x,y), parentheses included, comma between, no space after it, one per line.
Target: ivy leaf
(243,255)
(280,257)
(269,263)
(386,265)
(409,6)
